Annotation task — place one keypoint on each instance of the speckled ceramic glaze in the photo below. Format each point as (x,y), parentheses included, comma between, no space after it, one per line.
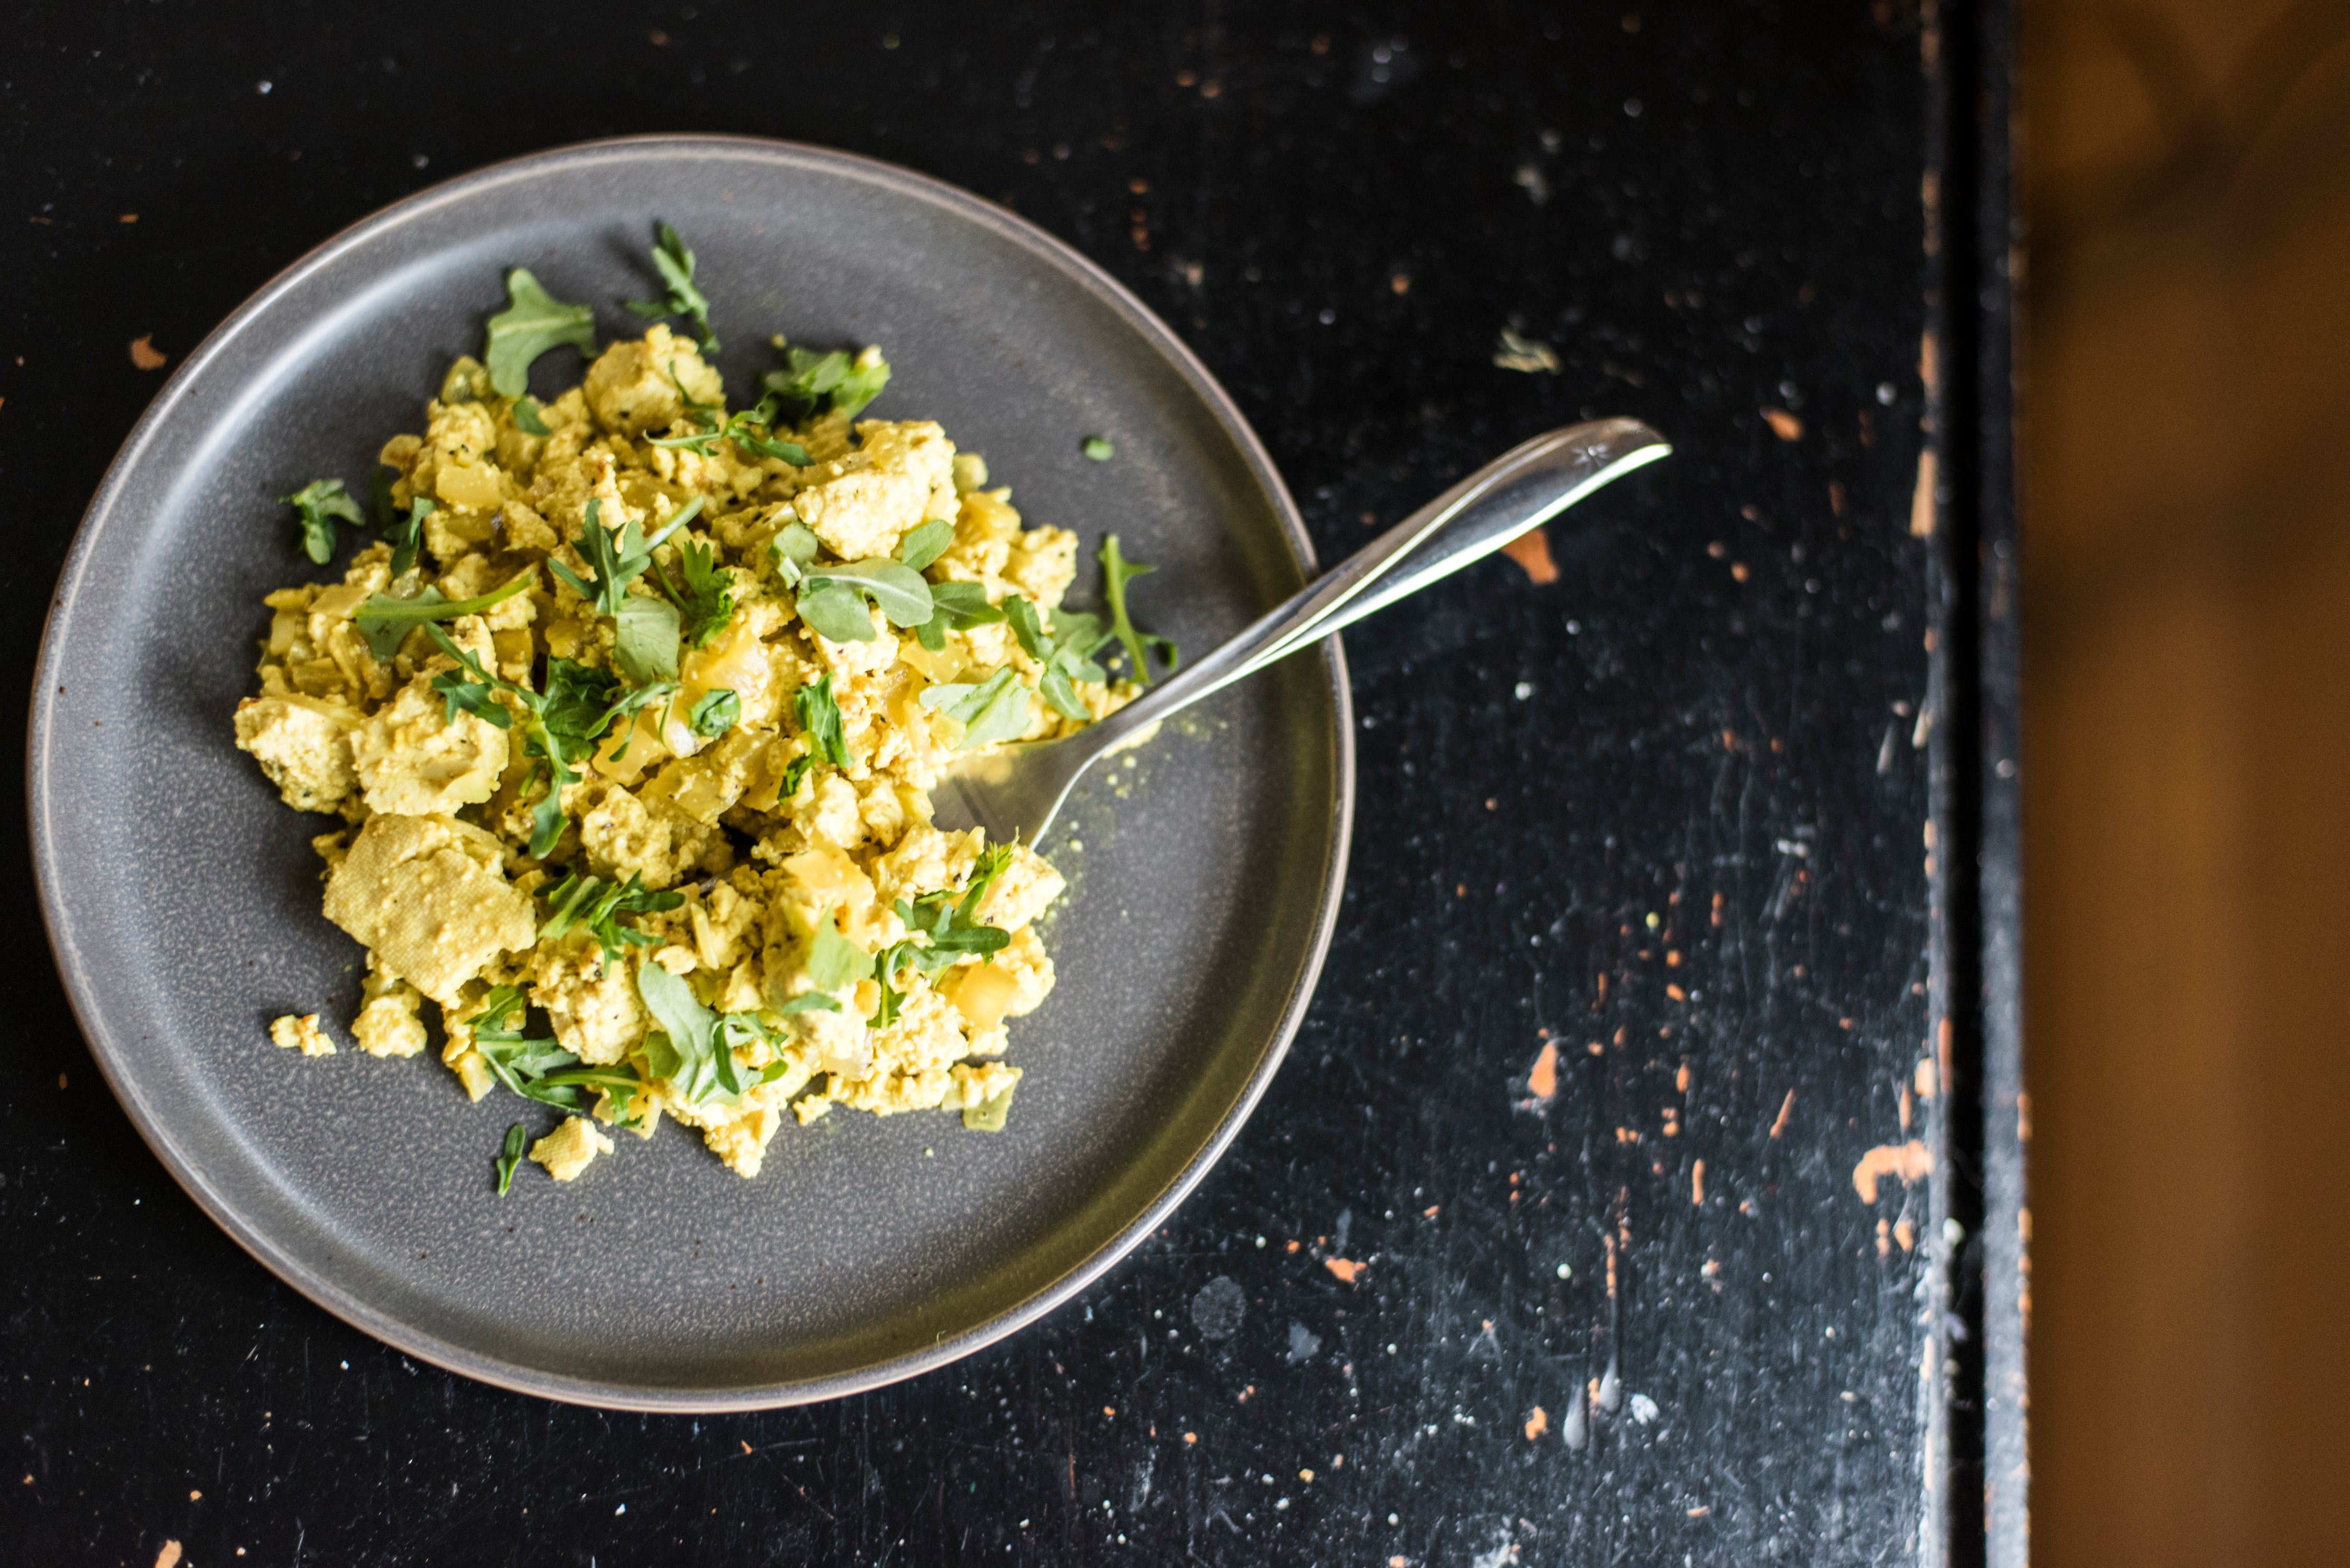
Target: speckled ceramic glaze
(184,899)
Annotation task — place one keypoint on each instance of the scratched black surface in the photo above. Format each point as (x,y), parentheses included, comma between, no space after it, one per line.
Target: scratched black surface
(1687,766)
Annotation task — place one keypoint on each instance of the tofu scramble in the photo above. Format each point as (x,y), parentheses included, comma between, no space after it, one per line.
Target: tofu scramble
(630,719)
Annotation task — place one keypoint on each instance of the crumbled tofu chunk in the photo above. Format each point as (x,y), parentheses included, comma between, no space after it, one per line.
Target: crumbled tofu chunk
(570,1148)
(863,502)
(304,745)
(290,1032)
(387,1025)
(426,893)
(413,759)
(630,386)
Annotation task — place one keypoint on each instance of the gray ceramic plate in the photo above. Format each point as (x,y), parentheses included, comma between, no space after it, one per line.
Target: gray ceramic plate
(182,897)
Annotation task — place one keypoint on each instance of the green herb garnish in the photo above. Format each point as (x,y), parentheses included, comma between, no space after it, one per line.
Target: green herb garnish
(839,380)
(528,420)
(510,1156)
(742,429)
(834,598)
(955,607)
(820,717)
(1117,572)
(645,639)
(703,593)
(617,556)
(560,726)
(533,322)
(925,542)
(703,1042)
(321,502)
(714,713)
(832,962)
(949,930)
(1066,651)
(674,262)
(1098,448)
(537,1068)
(594,904)
(385,621)
(995,709)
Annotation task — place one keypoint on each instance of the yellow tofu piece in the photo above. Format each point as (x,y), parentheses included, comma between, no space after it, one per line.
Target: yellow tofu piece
(412,760)
(862,501)
(629,389)
(570,1148)
(1021,890)
(302,1033)
(304,745)
(426,893)
(387,1024)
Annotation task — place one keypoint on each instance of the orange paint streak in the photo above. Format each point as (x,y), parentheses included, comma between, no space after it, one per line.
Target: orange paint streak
(1909,1161)
(1537,1424)
(1543,1082)
(1531,550)
(1346,1269)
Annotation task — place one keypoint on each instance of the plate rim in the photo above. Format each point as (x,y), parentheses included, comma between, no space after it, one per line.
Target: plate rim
(356,1310)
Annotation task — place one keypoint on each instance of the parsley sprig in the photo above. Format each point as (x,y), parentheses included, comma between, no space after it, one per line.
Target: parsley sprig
(594,904)
(949,931)
(321,502)
(674,262)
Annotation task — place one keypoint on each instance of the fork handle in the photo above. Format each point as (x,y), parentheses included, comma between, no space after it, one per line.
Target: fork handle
(1520,490)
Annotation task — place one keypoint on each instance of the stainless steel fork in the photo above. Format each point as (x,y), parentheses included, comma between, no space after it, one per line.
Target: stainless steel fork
(1015,792)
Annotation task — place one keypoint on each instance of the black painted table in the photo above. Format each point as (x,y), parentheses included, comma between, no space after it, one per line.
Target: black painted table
(1646,1182)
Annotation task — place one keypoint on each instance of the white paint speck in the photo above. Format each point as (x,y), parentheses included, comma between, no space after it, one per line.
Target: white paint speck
(1643,1409)
(1525,689)
(263,88)
(1565,1273)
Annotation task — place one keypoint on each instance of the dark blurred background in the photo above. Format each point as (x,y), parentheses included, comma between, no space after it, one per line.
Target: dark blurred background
(2188,720)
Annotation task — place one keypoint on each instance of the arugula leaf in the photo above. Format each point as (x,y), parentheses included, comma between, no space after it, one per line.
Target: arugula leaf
(794,548)
(528,420)
(839,380)
(707,599)
(742,429)
(704,1040)
(320,502)
(996,709)
(949,927)
(510,1156)
(594,904)
(838,595)
(561,728)
(837,611)
(533,322)
(819,716)
(714,713)
(645,643)
(532,1067)
(617,556)
(955,607)
(385,621)
(674,262)
(834,960)
(925,542)
(1098,448)
(1117,572)
(1065,651)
